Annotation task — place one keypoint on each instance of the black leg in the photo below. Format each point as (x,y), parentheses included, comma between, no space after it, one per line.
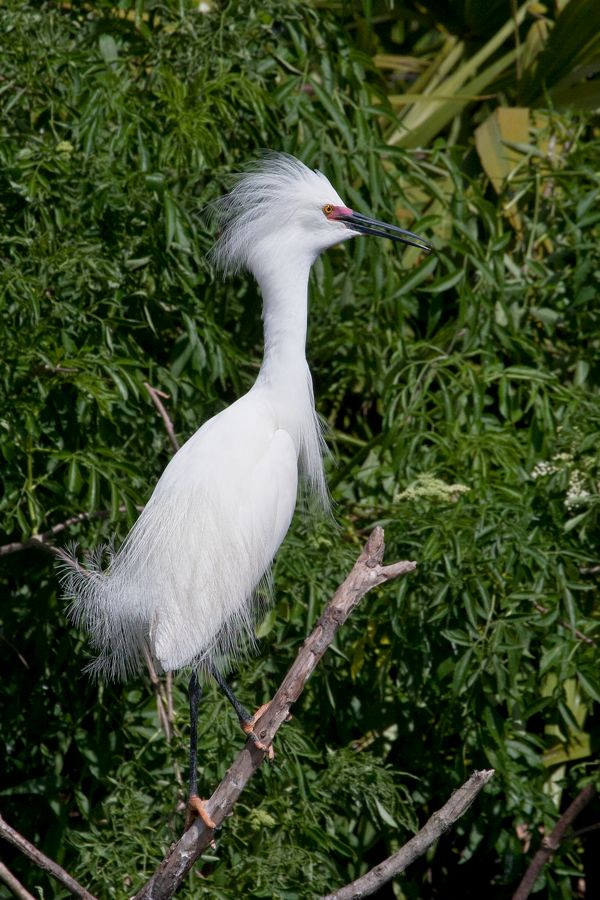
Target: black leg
(195,694)
(246,720)
(195,806)
(241,711)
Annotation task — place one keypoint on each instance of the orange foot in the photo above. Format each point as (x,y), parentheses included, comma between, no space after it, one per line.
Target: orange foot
(248,728)
(195,809)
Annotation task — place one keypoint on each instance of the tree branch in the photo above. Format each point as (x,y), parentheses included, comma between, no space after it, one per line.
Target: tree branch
(575,631)
(163,694)
(17,840)
(439,823)
(39,541)
(367,573)
(14,884)
(155,396)
(551,843)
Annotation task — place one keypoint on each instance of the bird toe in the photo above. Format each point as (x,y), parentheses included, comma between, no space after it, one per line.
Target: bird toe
(248,728)
(196,808)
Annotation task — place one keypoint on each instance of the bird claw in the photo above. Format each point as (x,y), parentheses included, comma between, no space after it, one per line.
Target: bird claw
(196,809)
(260,745)
(248,728)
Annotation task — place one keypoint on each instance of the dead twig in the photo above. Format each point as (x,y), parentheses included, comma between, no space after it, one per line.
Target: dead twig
(440,822)
(367,573)
(163,691)
(14,884)
(158,688)
(551,843)
(579,634)
(155,396)
(40,541)
(43,862)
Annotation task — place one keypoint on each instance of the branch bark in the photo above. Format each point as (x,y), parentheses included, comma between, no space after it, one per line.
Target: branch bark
(43,862)
(163,694)
(40,541)
(551,843)
(155,396)
(439,823)
(14,884)
(163,691)
(367,573)
(575,631)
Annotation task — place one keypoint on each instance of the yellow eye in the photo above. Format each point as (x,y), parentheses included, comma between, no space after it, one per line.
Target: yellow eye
(328,209)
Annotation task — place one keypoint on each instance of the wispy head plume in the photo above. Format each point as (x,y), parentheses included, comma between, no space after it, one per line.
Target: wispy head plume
(269,194)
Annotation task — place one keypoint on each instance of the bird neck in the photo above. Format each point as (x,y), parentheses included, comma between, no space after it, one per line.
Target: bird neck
(285,306)
(284,374)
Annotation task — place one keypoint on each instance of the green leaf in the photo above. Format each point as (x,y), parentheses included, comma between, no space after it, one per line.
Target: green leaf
(590,686)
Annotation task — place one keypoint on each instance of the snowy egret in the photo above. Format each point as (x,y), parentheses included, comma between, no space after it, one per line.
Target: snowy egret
(182,586)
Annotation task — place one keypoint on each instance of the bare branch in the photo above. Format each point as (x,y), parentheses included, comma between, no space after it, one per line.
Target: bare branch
(576,632)
(155,396)
(586,830)
(367,573)
(40,541)
(14,884)
(551,843)
(163,693)
(163,690)
(157,687)
(440,822)
(43,862)
(169,696)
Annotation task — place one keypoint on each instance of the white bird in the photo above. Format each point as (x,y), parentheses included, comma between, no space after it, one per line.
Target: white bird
(183,584)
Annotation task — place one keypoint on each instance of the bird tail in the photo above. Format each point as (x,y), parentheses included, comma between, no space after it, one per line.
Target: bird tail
(95,603)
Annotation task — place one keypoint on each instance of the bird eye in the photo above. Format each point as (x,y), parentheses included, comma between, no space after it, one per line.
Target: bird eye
(328,209)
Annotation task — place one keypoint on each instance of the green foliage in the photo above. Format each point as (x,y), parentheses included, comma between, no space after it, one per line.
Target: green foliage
(478,369)
(447,64)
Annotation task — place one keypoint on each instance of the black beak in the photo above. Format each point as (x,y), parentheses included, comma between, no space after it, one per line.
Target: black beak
(365,225)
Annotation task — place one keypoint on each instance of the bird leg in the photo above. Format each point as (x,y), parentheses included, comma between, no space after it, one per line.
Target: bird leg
(247,722)
(195,805)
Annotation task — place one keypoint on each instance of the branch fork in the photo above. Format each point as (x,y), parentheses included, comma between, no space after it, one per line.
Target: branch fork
(367,573)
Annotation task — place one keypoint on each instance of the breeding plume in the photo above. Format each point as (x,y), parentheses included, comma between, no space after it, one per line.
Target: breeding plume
(183,583)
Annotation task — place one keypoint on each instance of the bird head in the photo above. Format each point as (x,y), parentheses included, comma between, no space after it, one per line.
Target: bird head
(280,210)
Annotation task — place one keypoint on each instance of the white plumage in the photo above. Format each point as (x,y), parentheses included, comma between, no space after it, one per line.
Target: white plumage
(183,583)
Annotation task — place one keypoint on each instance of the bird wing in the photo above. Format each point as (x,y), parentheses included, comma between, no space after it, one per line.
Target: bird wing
(183,581)
(185,577)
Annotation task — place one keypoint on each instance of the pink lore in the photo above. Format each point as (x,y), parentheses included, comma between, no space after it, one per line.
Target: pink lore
(338,211)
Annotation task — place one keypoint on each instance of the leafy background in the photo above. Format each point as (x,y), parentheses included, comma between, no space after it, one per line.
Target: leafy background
(461,395)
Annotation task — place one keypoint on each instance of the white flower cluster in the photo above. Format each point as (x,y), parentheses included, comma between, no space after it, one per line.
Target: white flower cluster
(542,469)
(560,461)
(576,492)
(576,495)
(428,487)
